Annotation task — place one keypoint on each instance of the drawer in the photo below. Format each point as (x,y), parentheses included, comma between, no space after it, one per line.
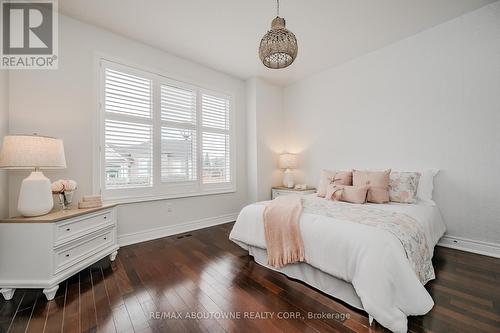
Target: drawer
(71,229)
(278,193)
(74,253)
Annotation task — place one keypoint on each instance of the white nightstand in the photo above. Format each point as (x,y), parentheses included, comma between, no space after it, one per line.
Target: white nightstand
(43,251)
(279,190)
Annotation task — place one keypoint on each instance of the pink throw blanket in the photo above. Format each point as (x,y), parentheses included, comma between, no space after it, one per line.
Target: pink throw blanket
(281,225)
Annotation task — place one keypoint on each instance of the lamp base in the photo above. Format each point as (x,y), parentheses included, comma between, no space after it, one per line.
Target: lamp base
(35,196)
(288,178)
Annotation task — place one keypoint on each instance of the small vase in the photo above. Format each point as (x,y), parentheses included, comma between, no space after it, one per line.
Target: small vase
(68,195)
(60,196)
(65,199)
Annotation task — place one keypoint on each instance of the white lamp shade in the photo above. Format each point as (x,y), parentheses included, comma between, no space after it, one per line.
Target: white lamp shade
(288,161)
(32,151)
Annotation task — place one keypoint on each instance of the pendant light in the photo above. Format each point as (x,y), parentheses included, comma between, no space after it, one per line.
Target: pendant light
(278,48)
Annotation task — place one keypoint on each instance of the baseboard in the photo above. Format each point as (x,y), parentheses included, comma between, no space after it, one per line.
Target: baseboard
(150,234)
(469,245)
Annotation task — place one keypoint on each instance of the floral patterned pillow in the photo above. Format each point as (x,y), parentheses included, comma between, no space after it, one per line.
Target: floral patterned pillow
(403,186)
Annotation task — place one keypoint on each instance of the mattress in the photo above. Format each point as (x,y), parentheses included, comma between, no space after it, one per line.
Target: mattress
(370,271)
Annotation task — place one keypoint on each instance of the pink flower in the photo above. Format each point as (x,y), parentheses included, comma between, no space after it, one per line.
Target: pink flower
(62,185)
(57,187)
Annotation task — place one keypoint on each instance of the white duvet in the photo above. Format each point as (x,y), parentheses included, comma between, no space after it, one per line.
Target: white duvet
(370,258)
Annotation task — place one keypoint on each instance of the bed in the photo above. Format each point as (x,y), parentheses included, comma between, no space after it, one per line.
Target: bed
(361,264)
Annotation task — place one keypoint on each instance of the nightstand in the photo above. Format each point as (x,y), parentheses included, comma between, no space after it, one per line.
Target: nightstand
(281,190)
(43,251)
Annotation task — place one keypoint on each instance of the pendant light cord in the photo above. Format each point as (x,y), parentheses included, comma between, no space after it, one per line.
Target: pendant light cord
(277,8)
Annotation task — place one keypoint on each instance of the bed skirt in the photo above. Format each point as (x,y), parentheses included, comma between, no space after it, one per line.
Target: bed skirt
(314,277)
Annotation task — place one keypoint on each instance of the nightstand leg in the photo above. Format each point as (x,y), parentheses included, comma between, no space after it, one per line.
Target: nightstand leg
(113,255)
(7,293)
(50,292)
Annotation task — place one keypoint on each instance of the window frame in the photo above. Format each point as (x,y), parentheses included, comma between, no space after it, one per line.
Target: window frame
(160,190)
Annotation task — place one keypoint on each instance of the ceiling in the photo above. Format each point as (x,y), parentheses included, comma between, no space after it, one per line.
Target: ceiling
(225,34)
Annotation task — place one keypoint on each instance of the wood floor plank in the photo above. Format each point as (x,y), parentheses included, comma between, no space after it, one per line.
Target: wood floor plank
(258,291)
(121,319)
(39,315)
(104,314)
(114,296)
(494,316)
(24,311)
(202,272)
(55,314)
(136,313)
(461,294)
(8,311)
(262,287)
(122,280)
(466,323)
(88,315)
(71,323)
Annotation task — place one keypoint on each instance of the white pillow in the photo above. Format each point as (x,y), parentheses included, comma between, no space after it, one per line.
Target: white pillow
(426,186)
(324,181)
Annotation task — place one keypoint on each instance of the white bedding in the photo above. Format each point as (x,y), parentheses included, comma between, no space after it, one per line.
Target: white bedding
(370,258)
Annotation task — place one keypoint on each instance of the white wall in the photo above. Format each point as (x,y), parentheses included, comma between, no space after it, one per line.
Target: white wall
(62,103)
(431,100)
(4,128)
(265,131)
(252,153)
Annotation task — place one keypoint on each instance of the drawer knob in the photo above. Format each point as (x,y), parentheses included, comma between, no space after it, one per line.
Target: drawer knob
(105,217)
(68,229)
(105,238)
(67,255)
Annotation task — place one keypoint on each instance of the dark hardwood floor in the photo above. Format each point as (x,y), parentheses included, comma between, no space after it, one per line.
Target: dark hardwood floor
(203,272)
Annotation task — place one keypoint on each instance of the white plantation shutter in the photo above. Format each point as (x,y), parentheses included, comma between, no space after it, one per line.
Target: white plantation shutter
(128,130)
(127,94)
(178,105)
(216,151)
(178,134)
(161,138)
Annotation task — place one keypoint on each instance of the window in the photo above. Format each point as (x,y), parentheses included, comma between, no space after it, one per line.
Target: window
(128,130)
(215,137)
(178,134)
(162,138)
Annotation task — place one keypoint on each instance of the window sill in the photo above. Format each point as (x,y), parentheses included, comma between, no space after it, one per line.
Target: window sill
(131,200)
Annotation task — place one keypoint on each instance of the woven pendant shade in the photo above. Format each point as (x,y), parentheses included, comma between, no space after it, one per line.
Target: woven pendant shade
(278,48)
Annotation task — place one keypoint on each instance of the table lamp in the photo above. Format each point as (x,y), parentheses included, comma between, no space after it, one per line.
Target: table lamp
(288,162)
(33,152)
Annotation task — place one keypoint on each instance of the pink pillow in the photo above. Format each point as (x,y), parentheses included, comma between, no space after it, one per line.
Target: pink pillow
(352,194)
(342,178)
(377,182)
(337,177)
